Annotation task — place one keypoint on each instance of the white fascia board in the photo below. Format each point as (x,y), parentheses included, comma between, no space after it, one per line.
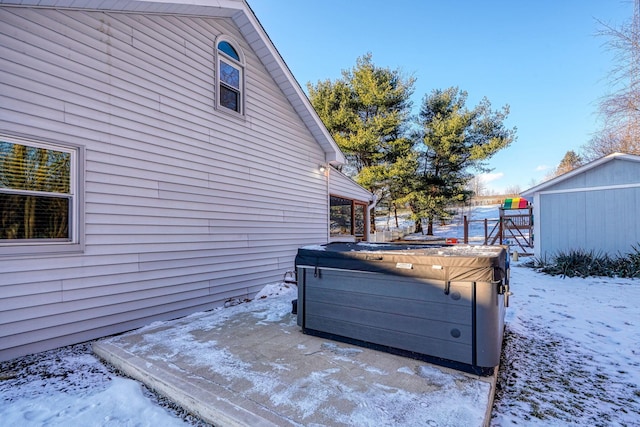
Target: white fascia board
(206,8)
(590,189)
(281,73)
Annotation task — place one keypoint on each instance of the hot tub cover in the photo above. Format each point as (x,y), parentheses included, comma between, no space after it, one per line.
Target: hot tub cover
(450,263)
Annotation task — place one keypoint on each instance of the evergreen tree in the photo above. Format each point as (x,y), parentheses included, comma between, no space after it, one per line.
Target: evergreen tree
(451,142)
(366,112)
(569,162)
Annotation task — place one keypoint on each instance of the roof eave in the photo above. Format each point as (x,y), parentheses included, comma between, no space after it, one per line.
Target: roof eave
(283,76)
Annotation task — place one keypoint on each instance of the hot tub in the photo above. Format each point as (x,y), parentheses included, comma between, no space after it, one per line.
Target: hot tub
(442,304)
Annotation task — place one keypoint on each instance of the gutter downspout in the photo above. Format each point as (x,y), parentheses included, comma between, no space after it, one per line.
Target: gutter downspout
(327,173)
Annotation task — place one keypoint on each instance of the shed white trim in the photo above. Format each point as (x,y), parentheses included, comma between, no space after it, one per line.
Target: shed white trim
(585,189)
(591,165)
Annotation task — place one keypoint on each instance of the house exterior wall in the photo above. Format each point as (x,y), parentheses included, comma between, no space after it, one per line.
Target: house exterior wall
(343,186)
(595,211)
(184,206)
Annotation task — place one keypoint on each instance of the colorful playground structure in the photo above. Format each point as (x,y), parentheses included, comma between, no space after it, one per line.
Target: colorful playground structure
(514,227)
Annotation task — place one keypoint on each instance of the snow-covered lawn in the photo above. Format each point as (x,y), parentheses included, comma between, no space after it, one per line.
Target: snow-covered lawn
(70,387)
(571,352)
(571,357)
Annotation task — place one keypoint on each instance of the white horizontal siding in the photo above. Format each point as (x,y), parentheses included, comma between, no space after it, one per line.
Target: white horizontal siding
(185,206)
(342,185)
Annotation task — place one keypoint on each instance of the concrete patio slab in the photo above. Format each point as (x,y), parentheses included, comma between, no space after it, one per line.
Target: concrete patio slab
(250,365)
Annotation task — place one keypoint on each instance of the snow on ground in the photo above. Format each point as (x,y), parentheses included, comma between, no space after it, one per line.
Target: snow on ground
(571,353)
(367,395)
(571,357)
(454,228)
(70,387)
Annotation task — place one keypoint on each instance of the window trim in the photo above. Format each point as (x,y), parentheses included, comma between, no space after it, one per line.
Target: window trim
(352,232)
(239,64)
(364,206)
(20,247)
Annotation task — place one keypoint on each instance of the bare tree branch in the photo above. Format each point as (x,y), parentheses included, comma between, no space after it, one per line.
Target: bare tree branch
(620,109)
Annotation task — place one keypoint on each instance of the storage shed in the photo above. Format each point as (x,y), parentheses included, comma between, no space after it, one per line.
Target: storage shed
(594,208)
(157,158)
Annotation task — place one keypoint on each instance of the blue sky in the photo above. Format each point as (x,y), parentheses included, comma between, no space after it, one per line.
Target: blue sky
(541,57)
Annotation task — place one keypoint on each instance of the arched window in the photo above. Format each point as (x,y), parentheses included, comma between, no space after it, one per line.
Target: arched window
(230,76)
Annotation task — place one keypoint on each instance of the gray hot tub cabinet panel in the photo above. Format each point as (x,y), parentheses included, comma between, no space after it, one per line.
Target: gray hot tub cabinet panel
(433,347)
(489,325)
(409,308)
(404,313)
(461,321)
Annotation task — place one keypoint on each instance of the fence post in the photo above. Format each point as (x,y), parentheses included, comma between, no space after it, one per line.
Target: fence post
(466,230)
(486,232)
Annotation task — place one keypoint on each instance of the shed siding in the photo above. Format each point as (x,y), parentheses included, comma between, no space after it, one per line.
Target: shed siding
(185,206)
(603,221)
(560,220)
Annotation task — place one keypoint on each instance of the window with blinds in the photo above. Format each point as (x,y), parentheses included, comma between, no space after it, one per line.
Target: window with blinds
(37,195)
